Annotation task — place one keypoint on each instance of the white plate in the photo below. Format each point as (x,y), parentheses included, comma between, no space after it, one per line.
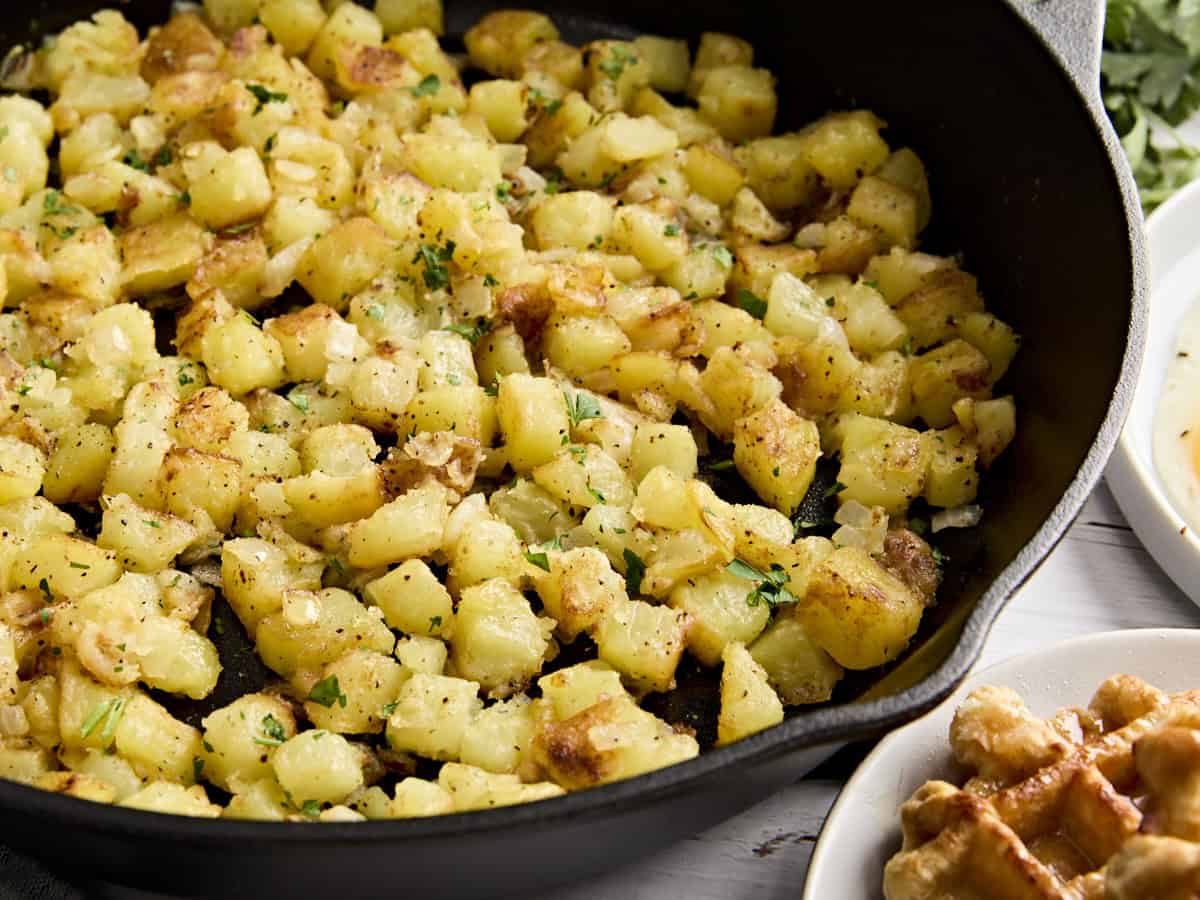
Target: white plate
(1173,233)
(863,828)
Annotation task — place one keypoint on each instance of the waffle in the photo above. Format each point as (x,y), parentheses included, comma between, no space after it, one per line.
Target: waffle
(1100,803)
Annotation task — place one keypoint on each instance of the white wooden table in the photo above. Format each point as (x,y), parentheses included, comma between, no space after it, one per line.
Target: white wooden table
(1099,579)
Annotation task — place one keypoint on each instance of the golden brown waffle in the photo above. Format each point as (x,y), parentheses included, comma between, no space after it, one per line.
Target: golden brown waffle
(1095,804)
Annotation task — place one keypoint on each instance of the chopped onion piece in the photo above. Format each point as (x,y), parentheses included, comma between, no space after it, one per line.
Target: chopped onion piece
(958,517)
(864,527)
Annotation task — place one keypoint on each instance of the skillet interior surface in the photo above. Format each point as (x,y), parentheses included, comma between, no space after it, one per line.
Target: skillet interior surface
(1023,186)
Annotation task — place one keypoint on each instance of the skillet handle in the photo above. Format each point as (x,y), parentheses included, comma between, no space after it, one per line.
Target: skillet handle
(1074,32)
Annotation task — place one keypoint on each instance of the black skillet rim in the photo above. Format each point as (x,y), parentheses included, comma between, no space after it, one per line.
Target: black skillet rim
(826,726)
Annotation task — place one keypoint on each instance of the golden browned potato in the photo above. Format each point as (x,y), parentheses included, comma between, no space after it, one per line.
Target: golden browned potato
(428,375)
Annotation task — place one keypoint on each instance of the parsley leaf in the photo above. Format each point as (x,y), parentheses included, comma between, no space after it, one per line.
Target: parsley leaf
(311,808)
(770,586)
(435,622)
(582,407)
(274,732)
(44,586)
(264,96)
(298,400)
(134,160)
(723,255)
(472,332)
(834,489)
(613,67)
(327,692)
(752,303)
(1150,80)
(635,570)
(434,258)
(541,560)
(429,86)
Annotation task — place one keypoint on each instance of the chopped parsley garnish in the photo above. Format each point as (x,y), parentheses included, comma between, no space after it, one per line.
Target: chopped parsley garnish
(503,191)
(326,692)
(723,255)
(472,332)
(153,523)
(264,96)
(375,311)
(553,182)
(489,280)
(582,407)
(197,768)
(541,560)
(595,493)
(614,66)
(76,565)
(109,712)
(939,557)
(918,526)
(429,86)
(298,400)
(311,808)
(752,303)
(389,708)
(184,378)
(53,205)
(834,489)
(134,160)
(273,732)
(44,586)
(164,156)
(435,622)
(769,586)
(719,465)
(671,230)
(635,569)
(437,276)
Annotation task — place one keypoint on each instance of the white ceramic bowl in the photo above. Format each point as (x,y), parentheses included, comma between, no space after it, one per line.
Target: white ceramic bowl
(863,828)
(1173,233)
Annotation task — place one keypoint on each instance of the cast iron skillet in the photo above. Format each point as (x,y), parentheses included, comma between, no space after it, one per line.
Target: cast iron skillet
(1000,100)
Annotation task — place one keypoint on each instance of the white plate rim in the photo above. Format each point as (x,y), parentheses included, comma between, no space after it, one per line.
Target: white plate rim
(822,865)
(1132,478)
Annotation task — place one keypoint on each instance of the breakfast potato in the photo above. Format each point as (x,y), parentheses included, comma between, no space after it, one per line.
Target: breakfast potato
(748,704)
(549,357)
(857,611)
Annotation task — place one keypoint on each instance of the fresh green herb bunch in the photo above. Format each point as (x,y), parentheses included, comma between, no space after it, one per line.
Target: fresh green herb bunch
(1150,79)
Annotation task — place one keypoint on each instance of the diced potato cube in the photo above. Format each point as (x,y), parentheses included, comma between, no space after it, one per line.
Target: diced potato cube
(776,451)
(349,24)
(175,799)
(227,188)
(411,525)
(240,357)
(238,739)
(368,681)
(995,427)
(936,303)
(432,715)
(498,641)
(952,479)
(316,765)
(412,599)
(720,613)
(843,147)
(487,548)
(669,60)
(575,219)
(799,670)
(893,212)
(945,375)
(643,642)
(607,741)
(584,476)
(739,100)
(500,40)
(416,797)
(341,262)
(254,575)
(579,589)
(533,418)
(314,628)
(748,703)
(857,611)
(161,255)
(883,464)
(672,446)
(143,539)
(22,468)
(499,739)
(292,23)
(997,340)
(503,106)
